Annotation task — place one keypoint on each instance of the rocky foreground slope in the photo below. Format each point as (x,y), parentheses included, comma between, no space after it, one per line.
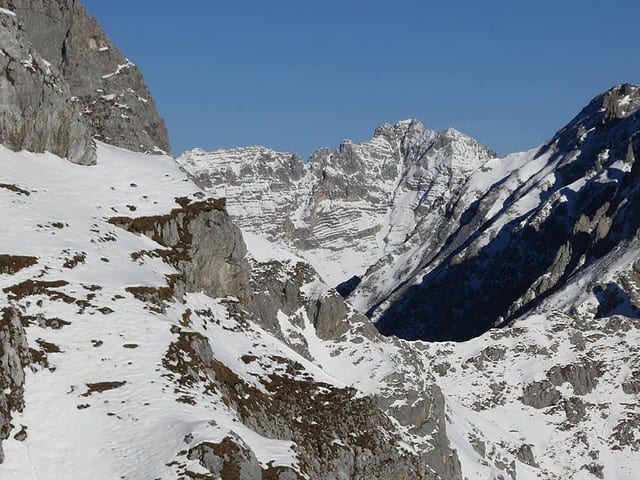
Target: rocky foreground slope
(142,365)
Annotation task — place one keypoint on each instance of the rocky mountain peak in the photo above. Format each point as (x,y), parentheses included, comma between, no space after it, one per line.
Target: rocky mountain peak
(348,206)
(525,227)
(599,128)
(620,101)
(404,133)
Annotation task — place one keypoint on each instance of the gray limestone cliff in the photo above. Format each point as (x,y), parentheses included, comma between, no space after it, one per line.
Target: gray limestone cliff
(37,111)
(203,244)
(14,357)
(345,208)
(64,82)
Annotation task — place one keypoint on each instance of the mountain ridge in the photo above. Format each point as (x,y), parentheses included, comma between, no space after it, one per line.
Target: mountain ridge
(386,172)
(585,175)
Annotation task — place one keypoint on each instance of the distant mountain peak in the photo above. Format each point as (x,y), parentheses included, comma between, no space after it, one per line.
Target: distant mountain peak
(347,206)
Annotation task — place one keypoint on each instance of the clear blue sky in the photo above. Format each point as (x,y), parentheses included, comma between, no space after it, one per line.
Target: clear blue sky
(298,75)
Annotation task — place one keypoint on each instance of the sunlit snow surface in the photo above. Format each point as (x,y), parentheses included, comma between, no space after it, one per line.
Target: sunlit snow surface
(136,430)
(132,431)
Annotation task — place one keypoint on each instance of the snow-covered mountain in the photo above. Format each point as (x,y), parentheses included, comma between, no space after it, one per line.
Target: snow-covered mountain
(528,225)
(155,343)
(154,340)
(545,241)
(342,210)
(152,329)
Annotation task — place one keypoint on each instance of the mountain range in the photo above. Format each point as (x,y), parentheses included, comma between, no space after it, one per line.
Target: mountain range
(411,307)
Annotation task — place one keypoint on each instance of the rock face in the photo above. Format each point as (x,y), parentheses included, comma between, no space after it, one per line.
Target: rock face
(344,209)
(231,457)
(64,82)
(205,246)
(14,357)
(37,111)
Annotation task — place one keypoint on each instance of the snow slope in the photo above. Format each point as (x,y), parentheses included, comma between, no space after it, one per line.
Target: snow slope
(123,384)
(74,432)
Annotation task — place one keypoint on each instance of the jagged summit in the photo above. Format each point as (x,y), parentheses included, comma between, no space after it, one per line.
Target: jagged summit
(603,112)
(343,209)
(618,102)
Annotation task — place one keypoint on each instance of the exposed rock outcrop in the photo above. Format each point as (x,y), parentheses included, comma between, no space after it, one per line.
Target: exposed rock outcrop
(337,433)
(110,89)
(230,458)
(37,112)
(14,357)
(204,245)
(63,82)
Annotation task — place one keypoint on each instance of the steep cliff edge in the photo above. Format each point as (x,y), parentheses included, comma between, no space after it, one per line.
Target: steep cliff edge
(65,82)
(37,112)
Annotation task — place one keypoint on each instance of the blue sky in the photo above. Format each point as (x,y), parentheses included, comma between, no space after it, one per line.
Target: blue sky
(298,75)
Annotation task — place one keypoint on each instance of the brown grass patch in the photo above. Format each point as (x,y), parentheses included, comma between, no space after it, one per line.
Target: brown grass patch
(15,189)
(10,264)
(34,287)
(101,387)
